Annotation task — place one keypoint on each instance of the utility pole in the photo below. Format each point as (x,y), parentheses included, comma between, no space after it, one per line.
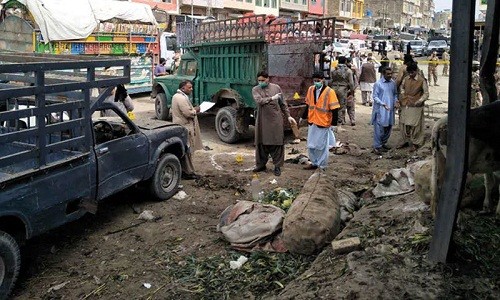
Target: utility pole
(324,7)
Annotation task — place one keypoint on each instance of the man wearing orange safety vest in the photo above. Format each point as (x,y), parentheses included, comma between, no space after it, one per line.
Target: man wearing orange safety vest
(322,115)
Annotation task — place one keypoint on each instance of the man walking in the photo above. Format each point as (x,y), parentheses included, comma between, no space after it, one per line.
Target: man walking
(367,79)
(321,114)
(414,93)
(269,131)
(432,68)
(385,100)
(183,113)
(342,82)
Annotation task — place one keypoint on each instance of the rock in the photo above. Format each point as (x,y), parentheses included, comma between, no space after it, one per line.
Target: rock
(147,215)
(181,195)
(384,249)
(346,245)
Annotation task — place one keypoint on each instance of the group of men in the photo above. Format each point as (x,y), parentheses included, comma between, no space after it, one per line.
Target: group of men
(326,106)
(402,86)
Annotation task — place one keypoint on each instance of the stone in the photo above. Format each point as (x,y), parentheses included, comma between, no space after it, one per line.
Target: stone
(346,245)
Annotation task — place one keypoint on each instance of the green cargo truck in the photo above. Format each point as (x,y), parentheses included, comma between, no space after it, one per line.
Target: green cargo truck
(222,58)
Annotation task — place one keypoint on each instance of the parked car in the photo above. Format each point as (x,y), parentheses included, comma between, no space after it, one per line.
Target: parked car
(57,161)
(418,47)
(437,45)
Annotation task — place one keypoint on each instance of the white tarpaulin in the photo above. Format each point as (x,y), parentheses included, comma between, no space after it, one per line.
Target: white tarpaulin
(76,19)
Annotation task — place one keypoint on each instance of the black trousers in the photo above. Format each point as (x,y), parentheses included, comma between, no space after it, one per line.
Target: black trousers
(262,153)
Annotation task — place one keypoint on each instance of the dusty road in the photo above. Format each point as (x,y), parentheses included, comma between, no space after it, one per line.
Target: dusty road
(180,255)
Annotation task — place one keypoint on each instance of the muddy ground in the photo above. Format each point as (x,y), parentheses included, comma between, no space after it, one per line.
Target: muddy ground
(113,255)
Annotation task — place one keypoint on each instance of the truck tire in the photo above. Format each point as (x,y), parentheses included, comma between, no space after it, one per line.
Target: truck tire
(10,262)
(161,108)
(166,177)
(225,124)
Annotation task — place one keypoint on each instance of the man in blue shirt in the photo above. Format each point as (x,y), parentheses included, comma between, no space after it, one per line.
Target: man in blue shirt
(160,69)
(385,98)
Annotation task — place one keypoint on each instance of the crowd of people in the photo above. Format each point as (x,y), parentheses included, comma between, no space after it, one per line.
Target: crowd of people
(401,87)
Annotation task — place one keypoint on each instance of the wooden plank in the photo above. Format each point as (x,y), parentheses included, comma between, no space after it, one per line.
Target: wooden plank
(458,140)
(489,52)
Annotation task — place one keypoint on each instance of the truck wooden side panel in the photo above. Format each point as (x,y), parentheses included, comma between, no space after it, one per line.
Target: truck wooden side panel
(239,61)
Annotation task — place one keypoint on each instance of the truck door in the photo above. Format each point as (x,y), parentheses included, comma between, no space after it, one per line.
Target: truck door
(122,152)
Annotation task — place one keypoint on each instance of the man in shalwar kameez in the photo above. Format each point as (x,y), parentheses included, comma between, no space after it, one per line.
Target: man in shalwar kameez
(183,113)
(414,93)
(322,115)
(385,100)
(269,131)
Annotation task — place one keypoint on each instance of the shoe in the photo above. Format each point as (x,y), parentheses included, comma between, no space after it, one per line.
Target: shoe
(435,84)
(296,141)
(191,176)
(404,145)
(277,171)
(377,151)
(259,169)
(353,124)
(386,147)
(310,167)
(371,104)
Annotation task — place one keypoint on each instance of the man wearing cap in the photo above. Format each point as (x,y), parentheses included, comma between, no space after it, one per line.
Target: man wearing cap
(396,66)
(322,116)
(446,62)
(432,68)
(342,82)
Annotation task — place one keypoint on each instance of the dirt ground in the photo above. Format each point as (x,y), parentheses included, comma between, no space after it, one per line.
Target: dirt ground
(113,255)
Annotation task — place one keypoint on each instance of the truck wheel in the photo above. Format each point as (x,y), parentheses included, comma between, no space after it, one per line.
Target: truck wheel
(161,108)
(225,124)
(166,178)
(10,261)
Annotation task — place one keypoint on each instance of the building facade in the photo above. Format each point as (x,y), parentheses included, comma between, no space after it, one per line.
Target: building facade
(399,14)
(349,13)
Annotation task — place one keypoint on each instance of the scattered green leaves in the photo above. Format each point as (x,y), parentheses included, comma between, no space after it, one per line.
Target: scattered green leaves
(211,277)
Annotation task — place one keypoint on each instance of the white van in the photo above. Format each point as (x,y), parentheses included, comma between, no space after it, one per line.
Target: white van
(168,47)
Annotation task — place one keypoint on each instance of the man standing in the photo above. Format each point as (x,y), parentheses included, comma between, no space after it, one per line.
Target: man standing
(446,62)
(342,83)
(183,113)
(321,114)
(432,68)
(367,79)
(396,66)
(408,48)
(385,100)
(384,63)
(476,97)
(269,131)
(414,92)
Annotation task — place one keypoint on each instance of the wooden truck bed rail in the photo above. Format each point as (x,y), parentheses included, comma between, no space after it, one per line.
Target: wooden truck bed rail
(258,27)
(45,107)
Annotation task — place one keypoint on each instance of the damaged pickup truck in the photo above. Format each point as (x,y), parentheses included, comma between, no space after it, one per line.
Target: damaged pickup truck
(58,158)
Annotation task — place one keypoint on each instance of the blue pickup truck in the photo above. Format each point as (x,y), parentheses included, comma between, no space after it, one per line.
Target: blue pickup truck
(65,158)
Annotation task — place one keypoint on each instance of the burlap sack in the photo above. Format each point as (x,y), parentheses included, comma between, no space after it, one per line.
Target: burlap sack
(314,218)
